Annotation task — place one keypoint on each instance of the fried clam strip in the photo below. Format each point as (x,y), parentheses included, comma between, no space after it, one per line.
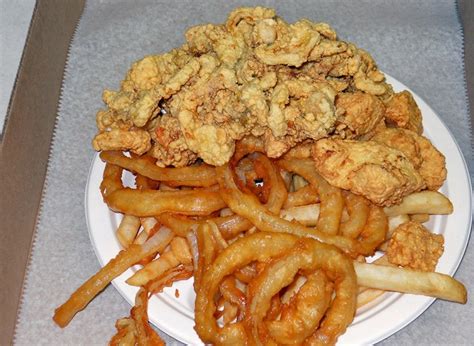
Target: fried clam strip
(116,266)
(202,175)
(308,256)
(256,247)
(249,207)
(410,281)
(151,202)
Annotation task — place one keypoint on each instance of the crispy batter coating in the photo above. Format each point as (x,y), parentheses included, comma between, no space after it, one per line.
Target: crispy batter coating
(373,170)
(358,114)
(137,141)
(402,111)
(253,75)
(429,162)
(413,246)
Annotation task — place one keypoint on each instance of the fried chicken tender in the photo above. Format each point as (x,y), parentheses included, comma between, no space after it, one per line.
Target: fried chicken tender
(429,162)
(402,111)
(379,173)
(414,246)
(253,75)
(358,114)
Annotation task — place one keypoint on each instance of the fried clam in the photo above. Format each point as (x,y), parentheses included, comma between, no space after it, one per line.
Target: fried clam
(255,75)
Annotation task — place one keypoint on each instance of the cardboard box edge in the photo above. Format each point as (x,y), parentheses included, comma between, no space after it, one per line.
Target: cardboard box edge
(25,145)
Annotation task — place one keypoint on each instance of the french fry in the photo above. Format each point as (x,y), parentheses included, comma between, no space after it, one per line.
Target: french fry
(332,202)
(127,230)
(395,221)
(306,214)
(410,281)
(368,295)
(124,260)
(303,196)
(299,182)
(178,253)
(148,223)
(424,202)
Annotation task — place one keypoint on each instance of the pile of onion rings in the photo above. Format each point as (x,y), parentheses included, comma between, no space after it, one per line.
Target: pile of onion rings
(277,254)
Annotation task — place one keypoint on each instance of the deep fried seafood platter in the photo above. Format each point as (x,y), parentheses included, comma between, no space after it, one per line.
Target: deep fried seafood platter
(275,166)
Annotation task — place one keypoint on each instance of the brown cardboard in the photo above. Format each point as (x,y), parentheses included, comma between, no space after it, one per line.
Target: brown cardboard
(466,9)
(30,122)
(26,141)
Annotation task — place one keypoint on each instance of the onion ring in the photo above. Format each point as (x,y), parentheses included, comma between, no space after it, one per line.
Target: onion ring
(256,247)
(302,315)
(111,180)
(307,255)
(358,209)
(332,202)
(202,175)
(250,208)
(152,202)
(374,232)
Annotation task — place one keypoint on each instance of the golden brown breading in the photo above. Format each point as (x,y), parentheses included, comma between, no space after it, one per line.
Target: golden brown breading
(169,148)
(373,170)
(413,246)
(433,168)
(137,141)
(402,111)
(429,162)
(253,75)
(358,114)
(402,140)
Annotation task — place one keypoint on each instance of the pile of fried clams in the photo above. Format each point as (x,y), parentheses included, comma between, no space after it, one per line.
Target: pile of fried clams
(287,84)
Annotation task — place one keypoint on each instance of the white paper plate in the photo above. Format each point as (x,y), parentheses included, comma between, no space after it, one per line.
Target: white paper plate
(378,320)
